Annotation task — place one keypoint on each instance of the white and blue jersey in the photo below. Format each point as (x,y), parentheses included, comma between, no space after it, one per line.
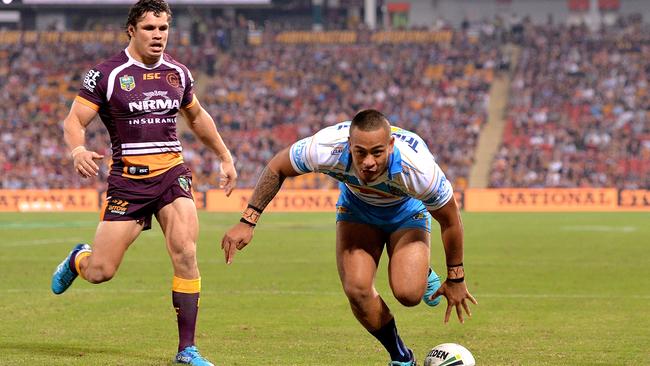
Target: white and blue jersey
(412,184)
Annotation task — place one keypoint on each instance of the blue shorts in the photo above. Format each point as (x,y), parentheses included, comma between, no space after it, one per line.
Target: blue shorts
(410,214)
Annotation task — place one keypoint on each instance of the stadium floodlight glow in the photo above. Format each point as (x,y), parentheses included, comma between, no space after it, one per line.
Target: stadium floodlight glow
(7,2)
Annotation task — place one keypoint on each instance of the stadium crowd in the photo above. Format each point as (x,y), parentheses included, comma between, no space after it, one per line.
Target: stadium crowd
(579,113)
(39,77)
(261,98)
(430,89)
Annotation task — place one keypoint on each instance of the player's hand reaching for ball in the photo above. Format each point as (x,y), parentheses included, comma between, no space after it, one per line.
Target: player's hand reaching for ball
(457,295)
(84,161)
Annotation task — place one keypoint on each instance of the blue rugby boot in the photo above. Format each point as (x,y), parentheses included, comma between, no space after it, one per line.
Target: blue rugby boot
(407,363)
(191,356)
(64,275)
(433,284)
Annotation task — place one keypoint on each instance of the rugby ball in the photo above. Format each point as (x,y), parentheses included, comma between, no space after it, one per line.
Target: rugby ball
(449,354)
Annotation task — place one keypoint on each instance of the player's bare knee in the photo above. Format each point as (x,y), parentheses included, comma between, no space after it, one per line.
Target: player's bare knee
(358,293)
(408,298)
(99,274)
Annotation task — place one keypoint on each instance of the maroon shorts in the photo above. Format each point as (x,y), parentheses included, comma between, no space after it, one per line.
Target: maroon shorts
(139,199)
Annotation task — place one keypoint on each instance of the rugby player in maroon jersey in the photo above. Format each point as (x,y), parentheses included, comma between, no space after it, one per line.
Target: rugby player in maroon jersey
(138,95)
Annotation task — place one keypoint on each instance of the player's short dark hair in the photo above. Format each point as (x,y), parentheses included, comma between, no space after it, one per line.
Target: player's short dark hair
(139,9)
(370,120)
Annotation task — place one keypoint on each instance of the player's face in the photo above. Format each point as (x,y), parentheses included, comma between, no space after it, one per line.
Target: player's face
(370,152)
(149,37)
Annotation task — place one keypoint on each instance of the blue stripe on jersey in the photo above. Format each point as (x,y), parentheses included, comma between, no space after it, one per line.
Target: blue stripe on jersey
(346,157)
(395,163)
(298,157)
(441,195)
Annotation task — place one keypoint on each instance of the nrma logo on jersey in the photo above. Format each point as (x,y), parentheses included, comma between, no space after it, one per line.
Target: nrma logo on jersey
(156,102)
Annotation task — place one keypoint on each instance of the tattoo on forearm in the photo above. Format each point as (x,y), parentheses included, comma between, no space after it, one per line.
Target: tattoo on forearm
(267,187)
(456,272)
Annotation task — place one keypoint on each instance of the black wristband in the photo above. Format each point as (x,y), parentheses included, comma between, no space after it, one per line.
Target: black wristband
(456,280)
(455,265)
(254,208)
(247,222)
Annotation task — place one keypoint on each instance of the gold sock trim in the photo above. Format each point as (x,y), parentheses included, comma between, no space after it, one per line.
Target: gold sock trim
(77,260)
(186,286)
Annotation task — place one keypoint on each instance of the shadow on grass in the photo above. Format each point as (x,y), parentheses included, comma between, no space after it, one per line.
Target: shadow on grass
(60,352)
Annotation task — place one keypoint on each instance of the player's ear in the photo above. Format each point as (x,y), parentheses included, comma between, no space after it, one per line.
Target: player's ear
(391,143)
(131,30)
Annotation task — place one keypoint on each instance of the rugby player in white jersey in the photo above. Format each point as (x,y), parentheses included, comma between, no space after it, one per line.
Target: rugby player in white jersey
(390,188)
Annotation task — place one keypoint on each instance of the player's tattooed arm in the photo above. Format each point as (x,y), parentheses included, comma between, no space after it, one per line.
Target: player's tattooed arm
(269,184)
(267,187)
(271,179)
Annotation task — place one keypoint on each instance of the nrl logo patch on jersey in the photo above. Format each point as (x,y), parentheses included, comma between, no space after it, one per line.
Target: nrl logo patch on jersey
(127,82)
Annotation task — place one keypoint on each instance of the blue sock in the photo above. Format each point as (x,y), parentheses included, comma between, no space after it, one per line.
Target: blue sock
(389,338)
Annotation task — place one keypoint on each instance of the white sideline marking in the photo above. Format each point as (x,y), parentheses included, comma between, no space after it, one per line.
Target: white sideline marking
(563,296)
(600,228)
(330,293)
(39,242)
(19,225)
(14,225)
(164,259)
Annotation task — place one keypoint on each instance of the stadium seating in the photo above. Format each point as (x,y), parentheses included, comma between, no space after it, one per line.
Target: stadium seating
(577,117)
(262,98)
(580,112)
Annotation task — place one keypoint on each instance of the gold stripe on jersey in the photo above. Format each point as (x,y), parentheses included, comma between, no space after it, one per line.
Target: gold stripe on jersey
(192,103)
(157,163)
(87,103)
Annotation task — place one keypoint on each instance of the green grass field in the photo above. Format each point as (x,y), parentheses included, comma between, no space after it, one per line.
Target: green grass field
(553,289)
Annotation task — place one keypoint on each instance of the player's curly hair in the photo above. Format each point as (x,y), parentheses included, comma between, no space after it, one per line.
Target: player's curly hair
(139,9)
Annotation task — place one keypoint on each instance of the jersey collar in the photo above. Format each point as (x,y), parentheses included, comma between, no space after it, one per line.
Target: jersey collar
(142,65)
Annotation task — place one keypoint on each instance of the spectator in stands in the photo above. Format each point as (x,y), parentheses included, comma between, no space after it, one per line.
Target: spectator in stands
(578,110)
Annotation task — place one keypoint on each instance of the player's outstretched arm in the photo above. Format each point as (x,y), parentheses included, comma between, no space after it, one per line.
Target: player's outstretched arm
(202,124)
(266,188)
(454,287)
(74,129)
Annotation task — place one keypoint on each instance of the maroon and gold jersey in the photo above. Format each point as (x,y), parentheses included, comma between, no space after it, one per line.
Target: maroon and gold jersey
(139,105)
